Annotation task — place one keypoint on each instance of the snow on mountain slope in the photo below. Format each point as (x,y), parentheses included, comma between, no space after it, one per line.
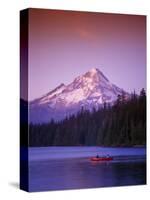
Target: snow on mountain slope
(89,90)
(52,94)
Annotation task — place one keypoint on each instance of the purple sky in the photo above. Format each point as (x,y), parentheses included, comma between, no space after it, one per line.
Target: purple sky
(65,44)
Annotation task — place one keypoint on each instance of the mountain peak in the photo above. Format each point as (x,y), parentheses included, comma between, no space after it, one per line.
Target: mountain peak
(89,90)
(95,73)
(94,70)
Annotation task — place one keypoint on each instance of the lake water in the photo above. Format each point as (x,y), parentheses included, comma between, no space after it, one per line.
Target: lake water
(58,168)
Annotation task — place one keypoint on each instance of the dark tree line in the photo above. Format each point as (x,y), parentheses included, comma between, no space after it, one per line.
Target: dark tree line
(123,124)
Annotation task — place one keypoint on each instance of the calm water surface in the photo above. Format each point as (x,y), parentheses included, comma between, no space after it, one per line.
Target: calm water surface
(58,168)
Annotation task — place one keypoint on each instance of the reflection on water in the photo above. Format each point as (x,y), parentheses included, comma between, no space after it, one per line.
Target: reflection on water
(76,173)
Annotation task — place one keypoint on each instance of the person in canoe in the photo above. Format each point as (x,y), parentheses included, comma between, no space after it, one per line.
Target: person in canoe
(107,156)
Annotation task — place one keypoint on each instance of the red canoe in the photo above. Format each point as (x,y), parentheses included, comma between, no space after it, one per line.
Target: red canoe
(101,159)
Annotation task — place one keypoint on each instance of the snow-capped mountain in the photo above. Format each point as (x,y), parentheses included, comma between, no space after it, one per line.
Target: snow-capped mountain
(89,90)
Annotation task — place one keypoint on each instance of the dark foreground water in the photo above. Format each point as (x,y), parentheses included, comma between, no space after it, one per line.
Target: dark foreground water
(58,168)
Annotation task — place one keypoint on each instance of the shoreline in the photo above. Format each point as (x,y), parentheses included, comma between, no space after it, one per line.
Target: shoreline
(120,146)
